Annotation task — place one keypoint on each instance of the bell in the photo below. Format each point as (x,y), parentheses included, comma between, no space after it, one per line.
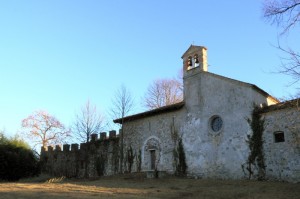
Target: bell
(190,63)
(196,59)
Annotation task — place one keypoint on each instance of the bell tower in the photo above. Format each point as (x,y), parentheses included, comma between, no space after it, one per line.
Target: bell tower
(195,58)
(194,68)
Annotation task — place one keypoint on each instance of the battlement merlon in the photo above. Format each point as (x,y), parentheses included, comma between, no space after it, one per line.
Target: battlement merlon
(66,147)
(75,147)
(94,137)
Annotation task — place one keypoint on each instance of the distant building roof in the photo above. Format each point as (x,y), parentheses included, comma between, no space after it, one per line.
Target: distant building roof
(157,111)
(294,103)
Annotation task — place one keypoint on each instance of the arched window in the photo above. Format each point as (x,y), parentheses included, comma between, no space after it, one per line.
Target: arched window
(189,63)
(192,62)
(196,60)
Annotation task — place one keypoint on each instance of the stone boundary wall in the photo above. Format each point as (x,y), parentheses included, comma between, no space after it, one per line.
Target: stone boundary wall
(282,157)
(92,159)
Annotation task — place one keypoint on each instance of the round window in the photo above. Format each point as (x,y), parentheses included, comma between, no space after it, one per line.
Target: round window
(216,123)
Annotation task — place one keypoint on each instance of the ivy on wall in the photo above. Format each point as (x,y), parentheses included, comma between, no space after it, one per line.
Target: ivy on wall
(139,161)
(100,164)
(256,160)
(130,158)
(181,166)
(179,155)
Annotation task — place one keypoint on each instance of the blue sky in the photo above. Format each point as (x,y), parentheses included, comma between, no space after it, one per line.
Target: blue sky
(55,55)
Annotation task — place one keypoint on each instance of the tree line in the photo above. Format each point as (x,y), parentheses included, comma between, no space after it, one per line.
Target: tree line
(19,160)
(43,129)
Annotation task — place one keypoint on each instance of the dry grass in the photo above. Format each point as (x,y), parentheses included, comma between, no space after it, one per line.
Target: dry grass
(124,187)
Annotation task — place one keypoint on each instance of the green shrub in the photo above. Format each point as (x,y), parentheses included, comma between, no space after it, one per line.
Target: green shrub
(17,160)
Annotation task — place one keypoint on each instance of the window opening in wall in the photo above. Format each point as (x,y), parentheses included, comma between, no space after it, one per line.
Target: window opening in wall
(189,63)
(216,123)
(196,60)
(192,62)
(153,159)
(279,136)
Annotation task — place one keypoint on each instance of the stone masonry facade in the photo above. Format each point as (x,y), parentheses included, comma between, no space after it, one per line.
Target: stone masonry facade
(212,123)
(96,158)
(282,141)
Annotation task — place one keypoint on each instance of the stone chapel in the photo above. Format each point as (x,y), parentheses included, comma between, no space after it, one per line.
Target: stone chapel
(213,124)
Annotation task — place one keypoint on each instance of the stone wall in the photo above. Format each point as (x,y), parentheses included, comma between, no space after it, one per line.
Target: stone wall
(282,154)
(95,158)
(150,140)
(222,153)
(152,134)
(209,154)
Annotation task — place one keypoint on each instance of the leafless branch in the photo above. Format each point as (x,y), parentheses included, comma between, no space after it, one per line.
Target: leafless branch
(163,92)
(290,63)
(44,129)
(284,13)
(88,121)
(122,103)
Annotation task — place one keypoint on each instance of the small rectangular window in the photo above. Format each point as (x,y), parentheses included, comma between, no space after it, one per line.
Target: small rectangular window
(278,136)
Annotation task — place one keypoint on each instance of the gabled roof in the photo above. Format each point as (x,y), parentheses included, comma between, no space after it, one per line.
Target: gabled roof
(192,48)
(256,88)
(179,105)
(153,112)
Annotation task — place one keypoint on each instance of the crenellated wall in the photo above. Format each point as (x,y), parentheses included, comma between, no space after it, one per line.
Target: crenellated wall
(95,158)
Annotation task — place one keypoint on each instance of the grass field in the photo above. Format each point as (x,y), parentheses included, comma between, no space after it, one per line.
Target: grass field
(127,187)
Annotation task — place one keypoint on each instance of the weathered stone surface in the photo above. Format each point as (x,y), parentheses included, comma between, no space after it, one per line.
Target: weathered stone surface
(94,137)
(93,159)
(283,158)
(214,148)
(103,136)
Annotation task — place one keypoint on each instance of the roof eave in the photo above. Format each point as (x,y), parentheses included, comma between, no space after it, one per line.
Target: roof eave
(153,112)
(294,103)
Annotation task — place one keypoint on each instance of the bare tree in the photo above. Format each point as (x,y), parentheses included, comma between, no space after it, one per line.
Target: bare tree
(122,105)
(163,92)
(179,78)
(285,14)
(43,128)
(88,121)
(290,65)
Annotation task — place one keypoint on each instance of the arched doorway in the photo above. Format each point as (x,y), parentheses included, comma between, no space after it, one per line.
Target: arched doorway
(151,153)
